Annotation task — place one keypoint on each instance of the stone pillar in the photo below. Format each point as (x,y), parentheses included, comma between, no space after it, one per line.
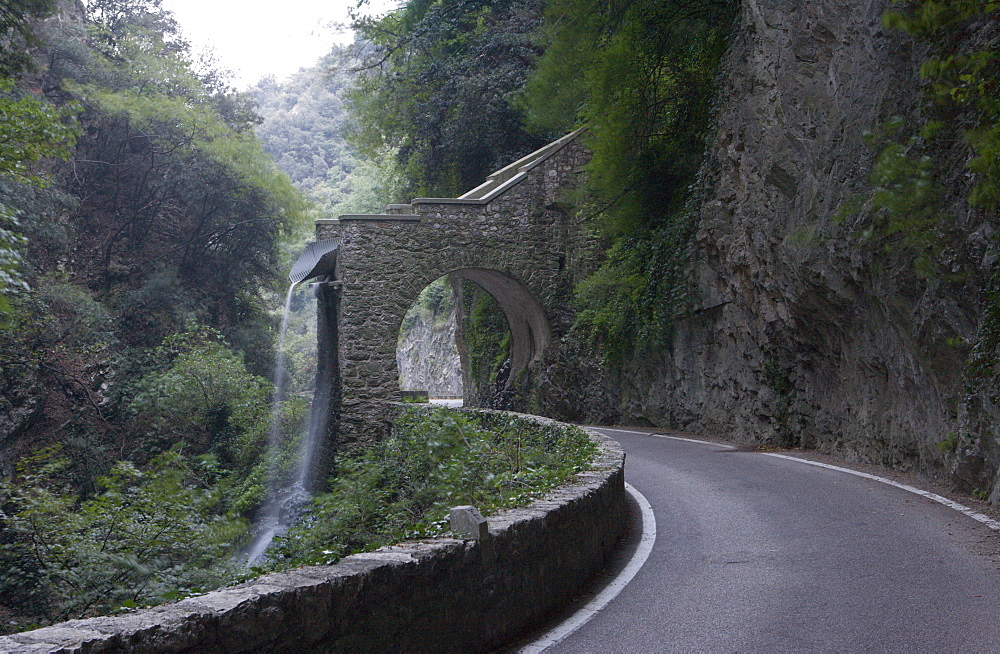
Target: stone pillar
(326,409)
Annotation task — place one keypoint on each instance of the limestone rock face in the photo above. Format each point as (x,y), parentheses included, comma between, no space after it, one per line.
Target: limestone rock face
(428,357)
(801,334)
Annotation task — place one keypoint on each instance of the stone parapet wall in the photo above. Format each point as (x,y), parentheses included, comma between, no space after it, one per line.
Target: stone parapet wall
(432,595)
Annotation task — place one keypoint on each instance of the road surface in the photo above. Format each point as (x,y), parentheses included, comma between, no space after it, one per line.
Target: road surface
(760,554)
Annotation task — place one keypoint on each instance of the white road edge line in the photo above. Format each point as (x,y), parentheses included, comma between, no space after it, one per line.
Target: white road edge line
(695,440)
(582,616)
(972,513)
(625,431)
(673,438)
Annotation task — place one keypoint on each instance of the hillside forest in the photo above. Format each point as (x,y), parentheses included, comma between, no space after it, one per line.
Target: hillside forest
(149,213)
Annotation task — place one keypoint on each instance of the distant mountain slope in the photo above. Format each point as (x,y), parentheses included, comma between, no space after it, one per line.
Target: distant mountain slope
(303,129)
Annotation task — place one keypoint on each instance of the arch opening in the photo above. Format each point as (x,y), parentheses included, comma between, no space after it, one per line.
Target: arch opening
(427,347)
(434,353)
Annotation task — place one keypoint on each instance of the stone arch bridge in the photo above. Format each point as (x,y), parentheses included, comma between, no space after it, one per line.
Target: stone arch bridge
(510,235)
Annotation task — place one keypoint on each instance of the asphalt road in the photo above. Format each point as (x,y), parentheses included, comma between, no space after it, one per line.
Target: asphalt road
(759,554)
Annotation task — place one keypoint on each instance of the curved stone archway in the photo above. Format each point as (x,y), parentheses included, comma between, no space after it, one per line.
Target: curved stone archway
(509,236)
(526,320)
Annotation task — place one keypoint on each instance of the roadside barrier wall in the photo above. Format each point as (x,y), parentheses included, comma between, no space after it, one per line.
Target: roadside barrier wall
(436,595)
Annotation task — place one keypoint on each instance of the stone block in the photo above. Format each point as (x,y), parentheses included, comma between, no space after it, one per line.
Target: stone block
(469,522)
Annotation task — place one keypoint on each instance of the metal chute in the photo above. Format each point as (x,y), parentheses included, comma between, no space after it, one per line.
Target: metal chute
(317,259)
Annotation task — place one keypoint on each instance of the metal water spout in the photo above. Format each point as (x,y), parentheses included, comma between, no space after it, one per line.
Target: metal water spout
(319,258)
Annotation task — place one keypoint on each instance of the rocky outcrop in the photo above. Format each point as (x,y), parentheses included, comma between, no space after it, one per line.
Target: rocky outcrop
(427,354)
(791,319)
(801,332)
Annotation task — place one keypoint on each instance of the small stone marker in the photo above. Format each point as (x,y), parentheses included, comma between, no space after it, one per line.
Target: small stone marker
(469,522)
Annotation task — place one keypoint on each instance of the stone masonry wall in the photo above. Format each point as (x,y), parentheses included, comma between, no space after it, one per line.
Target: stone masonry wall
(384,262)
(443,595)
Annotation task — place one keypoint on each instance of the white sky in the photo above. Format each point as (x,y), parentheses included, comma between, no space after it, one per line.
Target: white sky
(256,38)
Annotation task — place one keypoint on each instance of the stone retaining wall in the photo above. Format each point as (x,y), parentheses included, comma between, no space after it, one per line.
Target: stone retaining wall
(432,595)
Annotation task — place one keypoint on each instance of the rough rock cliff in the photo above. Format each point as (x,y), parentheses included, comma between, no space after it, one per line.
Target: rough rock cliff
(800,332)
(427,355)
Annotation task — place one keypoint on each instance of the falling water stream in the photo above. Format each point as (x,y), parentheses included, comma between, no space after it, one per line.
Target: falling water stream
(283,502)
(286,497)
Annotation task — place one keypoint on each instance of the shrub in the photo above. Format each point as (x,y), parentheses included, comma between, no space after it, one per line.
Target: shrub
(403,486)
(147,536)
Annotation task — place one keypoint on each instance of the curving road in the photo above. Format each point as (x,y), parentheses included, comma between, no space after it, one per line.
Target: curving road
(755,553)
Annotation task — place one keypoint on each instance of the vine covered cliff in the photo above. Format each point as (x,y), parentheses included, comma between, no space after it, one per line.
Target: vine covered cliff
(807,325)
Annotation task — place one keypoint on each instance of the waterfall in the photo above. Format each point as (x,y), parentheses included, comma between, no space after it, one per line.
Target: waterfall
(283,502)
(280,377)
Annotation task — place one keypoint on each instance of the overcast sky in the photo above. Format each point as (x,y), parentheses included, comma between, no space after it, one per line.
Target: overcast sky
(254,38)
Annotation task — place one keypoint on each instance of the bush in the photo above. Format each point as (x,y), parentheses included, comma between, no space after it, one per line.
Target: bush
(205,397)
(147,536)
(404,486)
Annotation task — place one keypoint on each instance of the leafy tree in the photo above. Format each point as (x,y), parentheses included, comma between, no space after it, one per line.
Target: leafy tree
(640,76)
(303,123)
(162,209)
(435,89)
(31,130)
(179,204)
(166,211)
(148,536)
(205,398)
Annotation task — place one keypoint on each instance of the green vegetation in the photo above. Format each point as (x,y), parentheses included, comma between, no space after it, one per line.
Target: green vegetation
(948,443)
(454,91)
(403,486)
(962,82)
(203,397)
(141,235)
(98,523)
(487,341)
(912,209)
(645,96)
(304,119)
(172,526)
(961,106)
(435,88)
(31,130)
(144,537)
(164,210)
(144,228)
(630,302)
